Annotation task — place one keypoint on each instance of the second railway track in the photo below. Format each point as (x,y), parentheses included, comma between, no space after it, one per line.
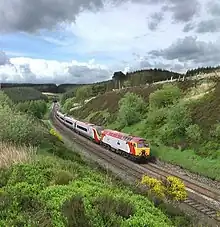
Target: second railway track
(201,198)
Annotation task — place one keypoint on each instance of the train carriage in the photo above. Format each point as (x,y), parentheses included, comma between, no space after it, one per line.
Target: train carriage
(134,147)
(89,130)
(60,116)
(70,122)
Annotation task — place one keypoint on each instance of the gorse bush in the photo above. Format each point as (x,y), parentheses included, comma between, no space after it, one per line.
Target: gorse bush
(172,188)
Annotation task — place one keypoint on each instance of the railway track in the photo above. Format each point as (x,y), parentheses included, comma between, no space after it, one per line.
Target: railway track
(203,199)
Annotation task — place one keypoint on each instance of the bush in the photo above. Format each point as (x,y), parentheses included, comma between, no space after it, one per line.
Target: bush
(164,97)
(36,108)
(56,134)
(172,188)
(62,177)
(19,128)
(75,213)
(131,109)
(174,129)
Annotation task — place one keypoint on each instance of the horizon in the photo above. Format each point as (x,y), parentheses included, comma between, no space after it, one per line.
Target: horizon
(86,41)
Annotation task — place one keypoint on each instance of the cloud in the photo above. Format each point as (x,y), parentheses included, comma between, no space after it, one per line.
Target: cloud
(188,27)
(156,18)
(27,70)
(214,8)
(183,10)
(3,58)
(211,25)
(190,50)
(30,15)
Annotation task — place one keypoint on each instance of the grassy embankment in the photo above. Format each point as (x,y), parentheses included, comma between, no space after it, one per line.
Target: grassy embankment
(181,122)
(42,183)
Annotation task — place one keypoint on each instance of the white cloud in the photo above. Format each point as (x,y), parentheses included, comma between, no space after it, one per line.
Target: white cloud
(29,70)
(121,36)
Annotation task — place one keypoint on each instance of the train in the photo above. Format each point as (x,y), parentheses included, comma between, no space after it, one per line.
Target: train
(131,147)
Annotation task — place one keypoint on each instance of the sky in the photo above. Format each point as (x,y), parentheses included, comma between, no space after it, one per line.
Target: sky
(86,41)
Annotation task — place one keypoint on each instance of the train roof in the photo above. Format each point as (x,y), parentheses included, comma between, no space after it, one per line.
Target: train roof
(123,135)
(70,118)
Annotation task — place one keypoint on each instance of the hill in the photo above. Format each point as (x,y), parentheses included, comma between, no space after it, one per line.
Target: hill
(21,94)
(43,183)
(174,117)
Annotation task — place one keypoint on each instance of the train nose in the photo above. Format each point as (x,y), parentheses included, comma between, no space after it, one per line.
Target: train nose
(143,153)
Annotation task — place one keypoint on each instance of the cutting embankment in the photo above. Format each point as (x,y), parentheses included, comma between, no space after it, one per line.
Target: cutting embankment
(180,120)
(43,183)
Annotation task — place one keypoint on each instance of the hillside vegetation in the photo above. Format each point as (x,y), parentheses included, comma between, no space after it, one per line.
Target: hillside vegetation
(42,183)
(179,119)
(19,94)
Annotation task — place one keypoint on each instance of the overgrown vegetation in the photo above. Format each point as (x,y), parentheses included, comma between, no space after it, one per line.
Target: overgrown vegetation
(56,187)
(180,120)
(19,94)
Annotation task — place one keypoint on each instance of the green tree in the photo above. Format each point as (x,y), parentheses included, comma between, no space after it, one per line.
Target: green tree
(177,121)
(127,83)
(164,97)
(82,93)
(131,109)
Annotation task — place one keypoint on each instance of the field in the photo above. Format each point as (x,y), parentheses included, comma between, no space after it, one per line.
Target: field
(180,122)
(42,183)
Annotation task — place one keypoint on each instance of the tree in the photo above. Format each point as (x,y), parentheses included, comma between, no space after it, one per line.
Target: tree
(127,83)
(82,93)
(118,77)
(164,97)
(131,108)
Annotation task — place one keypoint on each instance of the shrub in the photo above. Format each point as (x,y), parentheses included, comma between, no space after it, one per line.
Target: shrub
(156,186)
(131,109)
(56,134)
(171,188)
(164,97)
(193,133)
(62,177)
(175,189)
(74,211)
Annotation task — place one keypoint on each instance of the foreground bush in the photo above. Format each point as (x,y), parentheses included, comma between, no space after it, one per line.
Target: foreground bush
(31,195)
(19,128)
(172,188)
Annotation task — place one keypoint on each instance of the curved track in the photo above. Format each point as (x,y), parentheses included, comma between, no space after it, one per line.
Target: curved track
(203,199)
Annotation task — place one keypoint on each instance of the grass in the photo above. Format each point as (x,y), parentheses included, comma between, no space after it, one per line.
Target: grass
(11,154)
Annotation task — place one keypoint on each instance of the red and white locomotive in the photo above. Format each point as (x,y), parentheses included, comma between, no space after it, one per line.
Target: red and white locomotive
(132,147)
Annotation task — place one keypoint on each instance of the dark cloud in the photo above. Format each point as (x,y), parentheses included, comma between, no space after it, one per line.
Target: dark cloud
(188,27)
(30,15)
(155,19)
(183,10)
(214,8)
(190,49)
(211,25)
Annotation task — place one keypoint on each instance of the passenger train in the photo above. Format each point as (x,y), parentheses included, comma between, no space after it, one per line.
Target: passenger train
(131,147)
